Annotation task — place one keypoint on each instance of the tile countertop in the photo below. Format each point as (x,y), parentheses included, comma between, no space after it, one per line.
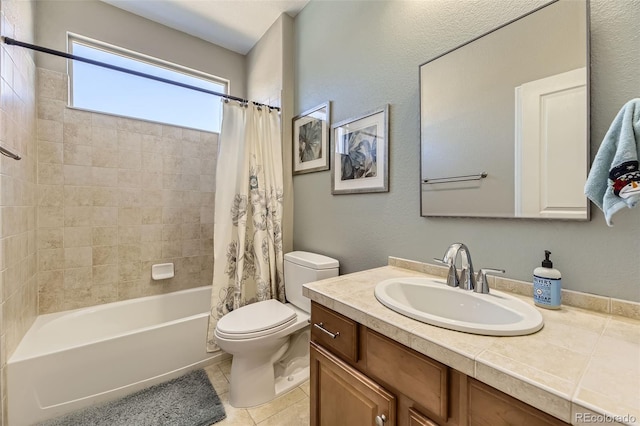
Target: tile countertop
(583,366)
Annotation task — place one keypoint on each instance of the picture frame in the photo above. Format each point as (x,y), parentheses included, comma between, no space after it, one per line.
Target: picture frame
(311,140)
(360,153)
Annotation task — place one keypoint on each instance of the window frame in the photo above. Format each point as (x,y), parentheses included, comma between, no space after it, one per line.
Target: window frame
(140,57)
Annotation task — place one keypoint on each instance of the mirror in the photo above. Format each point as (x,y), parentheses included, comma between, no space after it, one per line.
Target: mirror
(504,120)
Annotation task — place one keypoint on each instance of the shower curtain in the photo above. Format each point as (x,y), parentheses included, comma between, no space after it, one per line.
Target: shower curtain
(248,259)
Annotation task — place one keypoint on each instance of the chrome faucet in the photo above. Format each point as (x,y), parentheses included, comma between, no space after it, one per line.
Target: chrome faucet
(466,279)
(482,285)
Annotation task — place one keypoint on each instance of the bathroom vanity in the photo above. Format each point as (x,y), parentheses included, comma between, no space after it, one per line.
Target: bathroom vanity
(370,365)
(362,374)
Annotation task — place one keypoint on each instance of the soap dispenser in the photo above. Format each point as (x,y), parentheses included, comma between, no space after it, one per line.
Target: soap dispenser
(547,287)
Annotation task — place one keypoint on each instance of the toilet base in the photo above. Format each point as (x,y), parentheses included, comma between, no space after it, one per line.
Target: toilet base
(286,383)
(255,382)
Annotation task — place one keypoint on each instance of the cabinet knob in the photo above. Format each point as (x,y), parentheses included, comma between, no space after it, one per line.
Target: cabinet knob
(381,420)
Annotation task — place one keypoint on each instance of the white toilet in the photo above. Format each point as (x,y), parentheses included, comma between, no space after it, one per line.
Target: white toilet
(269,340)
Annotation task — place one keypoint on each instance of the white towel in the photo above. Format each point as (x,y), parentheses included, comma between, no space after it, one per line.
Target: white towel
(614,179)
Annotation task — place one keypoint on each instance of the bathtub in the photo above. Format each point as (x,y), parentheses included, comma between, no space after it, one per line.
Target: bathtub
(69,360)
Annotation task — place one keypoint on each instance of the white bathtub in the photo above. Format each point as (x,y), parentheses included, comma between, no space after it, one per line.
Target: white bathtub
(69,360)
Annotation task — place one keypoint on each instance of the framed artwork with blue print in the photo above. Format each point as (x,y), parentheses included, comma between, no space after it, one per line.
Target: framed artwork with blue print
(361,153)
(311,140)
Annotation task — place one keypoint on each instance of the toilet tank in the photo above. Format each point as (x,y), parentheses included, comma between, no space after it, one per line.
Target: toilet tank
(302,267)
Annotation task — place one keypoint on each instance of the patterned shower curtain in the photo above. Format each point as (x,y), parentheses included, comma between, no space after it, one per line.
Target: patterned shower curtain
(248,259)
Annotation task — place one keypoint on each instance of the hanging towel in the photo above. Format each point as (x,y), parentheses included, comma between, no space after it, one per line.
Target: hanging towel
(614,179)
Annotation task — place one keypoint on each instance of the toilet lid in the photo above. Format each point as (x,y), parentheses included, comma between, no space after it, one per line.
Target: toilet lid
(256,319)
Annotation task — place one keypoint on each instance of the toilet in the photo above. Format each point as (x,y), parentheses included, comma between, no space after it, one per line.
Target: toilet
(269,340)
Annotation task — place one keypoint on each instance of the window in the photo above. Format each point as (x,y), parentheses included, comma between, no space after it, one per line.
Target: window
(113,92)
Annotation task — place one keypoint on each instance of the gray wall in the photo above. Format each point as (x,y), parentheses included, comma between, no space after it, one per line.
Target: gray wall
(361,55)
(109,24)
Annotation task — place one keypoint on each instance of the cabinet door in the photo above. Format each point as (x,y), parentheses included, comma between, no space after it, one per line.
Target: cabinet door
(417,419)
(341,395)
(490,407)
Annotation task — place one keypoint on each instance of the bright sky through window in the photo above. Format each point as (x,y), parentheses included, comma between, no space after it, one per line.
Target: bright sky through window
(103,90)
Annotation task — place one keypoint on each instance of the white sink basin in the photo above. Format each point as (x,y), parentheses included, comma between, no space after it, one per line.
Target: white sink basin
(435,303)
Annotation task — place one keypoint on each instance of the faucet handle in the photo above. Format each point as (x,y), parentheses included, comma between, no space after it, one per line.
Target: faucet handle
(467,279)
(452,275)
(482,286)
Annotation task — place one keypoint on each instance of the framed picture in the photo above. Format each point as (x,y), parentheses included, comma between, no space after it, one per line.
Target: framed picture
(361,153)
(311,140)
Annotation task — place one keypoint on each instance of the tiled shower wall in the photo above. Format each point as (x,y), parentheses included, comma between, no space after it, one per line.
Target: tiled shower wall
(18,284)
(115,196)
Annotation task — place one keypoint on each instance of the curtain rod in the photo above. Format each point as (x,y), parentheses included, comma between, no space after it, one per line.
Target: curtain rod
(13,42)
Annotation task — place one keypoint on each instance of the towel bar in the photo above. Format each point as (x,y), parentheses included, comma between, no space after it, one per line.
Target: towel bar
(456,178)
(9,154)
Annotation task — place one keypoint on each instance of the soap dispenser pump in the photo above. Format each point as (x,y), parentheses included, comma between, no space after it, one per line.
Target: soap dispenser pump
(547,284)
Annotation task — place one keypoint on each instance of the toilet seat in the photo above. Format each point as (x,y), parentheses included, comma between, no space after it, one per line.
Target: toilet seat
(255,320)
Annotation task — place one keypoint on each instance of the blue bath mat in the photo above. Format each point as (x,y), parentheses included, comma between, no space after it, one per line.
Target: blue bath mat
(189,400)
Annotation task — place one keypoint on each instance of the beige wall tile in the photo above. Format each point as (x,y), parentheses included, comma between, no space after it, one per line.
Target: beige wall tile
(129,141)
(172,216)
(152,144)
(77,116)
(104,138)
(50,109)
(78,216)
(129,178)
(75,196)
(170,250)
(77,257)
(77,175)
(129,271)
(151,215)
(190,248)
(190,231)
(104,176)
(151,197)
(50,130)
(105,216)
(129,159)
(78,236)
(151,180)
(81,155)
(50,238)
(50,216)
(112,192)
(50,152)
(105,274)
(104,255)
(150,250)
(50,259)
(106,196)
(104,236)
(129,234)
(152,162)
(104,157)
(104,120)
(171,232)
(50,174)
(151,233)
(79,134)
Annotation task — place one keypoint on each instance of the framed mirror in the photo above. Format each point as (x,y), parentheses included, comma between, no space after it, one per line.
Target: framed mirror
(504,120)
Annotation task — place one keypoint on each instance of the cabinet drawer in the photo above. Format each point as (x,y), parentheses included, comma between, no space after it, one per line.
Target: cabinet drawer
(334,331)
(490,407)
(416,376)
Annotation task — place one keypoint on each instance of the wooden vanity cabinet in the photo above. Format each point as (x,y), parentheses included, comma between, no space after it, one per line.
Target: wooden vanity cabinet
(341,395)
(360,377)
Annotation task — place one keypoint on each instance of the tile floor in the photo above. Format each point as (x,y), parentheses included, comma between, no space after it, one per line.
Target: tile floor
(290,409)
